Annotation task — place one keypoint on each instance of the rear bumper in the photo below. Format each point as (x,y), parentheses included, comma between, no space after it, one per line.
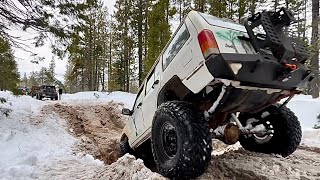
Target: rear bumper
(258,71)
(49,95)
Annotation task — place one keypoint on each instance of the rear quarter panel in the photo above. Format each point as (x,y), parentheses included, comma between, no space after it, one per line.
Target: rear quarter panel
(187,61)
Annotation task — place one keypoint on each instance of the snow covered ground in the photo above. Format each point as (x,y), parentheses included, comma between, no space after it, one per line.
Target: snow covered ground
(307,110)
(35,143)
(29,140)
(126,98)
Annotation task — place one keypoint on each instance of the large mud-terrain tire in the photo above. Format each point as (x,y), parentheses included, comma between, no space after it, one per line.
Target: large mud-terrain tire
(287,131)
(124,147)
(180,140)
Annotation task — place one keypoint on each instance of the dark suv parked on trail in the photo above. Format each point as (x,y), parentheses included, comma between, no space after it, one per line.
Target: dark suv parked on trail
(47,92)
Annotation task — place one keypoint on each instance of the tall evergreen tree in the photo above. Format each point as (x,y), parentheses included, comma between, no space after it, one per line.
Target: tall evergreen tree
(218,8)
(88,51)
(33,79)
(123,45)
(9,76)
(183,8)
(200,5)
(140,27)
(159,31)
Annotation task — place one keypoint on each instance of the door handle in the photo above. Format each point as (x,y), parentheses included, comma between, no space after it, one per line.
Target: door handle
(155,83)
(139,104)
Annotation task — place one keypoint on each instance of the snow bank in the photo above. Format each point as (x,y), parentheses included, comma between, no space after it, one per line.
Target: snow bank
(35,144)
(307,111)
(29,140)
(127,167)
(117,96)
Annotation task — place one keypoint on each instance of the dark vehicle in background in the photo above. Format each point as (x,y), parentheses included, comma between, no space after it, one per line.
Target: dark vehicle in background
(34,90)
(47,92)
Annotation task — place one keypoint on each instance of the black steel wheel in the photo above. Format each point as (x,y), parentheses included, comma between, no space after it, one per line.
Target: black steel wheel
(285,126)
(180,140)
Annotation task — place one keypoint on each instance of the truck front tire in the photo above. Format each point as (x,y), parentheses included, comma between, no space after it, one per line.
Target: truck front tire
(287,131)
(124,147)
(180,140)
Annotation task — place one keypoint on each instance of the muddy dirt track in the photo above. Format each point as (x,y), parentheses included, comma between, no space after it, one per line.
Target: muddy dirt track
(98,127)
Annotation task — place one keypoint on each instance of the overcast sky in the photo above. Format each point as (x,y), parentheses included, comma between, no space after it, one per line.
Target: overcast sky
(23,58)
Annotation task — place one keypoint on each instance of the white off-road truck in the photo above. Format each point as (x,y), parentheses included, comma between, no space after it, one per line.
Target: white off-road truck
(219,79)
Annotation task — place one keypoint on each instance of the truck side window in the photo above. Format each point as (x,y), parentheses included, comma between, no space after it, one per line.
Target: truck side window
(139,98)
(150,82)
(176,44)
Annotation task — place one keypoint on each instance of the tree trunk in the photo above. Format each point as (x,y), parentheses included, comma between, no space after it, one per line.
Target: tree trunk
(315,49)
(140,48)
(276,5)
(110,58)
(305,18)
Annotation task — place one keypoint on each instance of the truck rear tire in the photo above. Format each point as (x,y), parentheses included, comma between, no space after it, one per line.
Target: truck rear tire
(180,140)
(287,131)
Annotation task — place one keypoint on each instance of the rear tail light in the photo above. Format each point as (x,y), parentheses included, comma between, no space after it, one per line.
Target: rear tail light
(208,43)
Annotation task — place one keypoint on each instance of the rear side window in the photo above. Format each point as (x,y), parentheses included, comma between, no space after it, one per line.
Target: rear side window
(176,44)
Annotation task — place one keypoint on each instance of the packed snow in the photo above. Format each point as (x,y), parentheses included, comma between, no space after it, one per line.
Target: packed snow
(307,110)
(36,144)
(126,98)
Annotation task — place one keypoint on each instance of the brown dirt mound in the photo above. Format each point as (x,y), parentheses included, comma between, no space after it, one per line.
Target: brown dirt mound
(242,164)
(98,126)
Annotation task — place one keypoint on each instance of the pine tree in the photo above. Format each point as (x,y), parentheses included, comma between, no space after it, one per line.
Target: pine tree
(139,25)
(218,8)
(123,46)
(9,76)
(159,31)
(89,50)
(24,81)
(33,79)
(200,5)
(183,8)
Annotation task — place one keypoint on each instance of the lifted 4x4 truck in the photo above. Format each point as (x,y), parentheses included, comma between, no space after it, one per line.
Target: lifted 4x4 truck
(219,79)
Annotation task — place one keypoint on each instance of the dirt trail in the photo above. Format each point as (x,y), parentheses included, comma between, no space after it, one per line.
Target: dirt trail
(98,126)
(241,164)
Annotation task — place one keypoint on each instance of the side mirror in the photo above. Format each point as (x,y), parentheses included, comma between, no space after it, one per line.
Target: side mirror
(126,111)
